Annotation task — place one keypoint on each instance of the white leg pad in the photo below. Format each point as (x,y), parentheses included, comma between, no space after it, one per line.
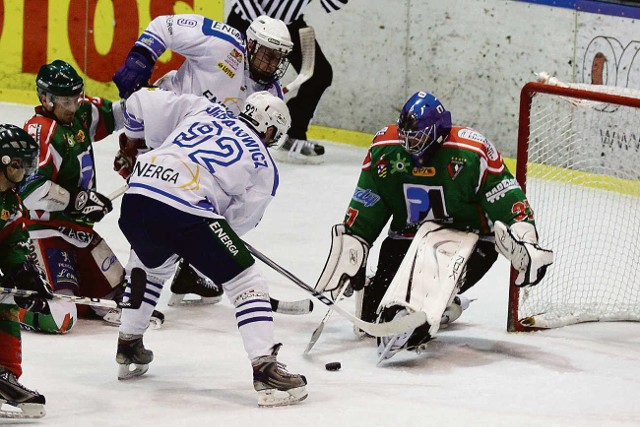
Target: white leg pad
(430,273)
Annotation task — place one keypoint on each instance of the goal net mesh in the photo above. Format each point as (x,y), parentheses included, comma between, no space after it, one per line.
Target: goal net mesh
(579,163)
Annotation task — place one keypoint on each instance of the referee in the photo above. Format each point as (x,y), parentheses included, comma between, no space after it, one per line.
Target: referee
(303,105)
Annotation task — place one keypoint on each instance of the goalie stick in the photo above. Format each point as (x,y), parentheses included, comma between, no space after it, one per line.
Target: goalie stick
(308,50)
(318,331)
(396,326)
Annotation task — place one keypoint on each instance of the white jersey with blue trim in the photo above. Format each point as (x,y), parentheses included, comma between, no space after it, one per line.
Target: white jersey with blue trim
(152,114)
(212,165)
(214,65)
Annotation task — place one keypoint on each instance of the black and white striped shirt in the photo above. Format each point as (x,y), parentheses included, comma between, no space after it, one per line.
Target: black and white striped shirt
(285,10)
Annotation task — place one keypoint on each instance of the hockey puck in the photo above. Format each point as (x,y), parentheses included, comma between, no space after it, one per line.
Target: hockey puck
(333,366)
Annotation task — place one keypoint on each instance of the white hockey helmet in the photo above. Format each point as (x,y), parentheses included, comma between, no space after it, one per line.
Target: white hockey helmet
(268,47)
(263,110)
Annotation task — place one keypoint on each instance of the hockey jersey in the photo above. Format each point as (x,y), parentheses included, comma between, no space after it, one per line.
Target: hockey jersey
(463,184)
(214,65)
(211,165)
(66,158)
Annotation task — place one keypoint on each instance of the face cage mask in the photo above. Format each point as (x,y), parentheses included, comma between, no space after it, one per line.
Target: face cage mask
(260,58)
(416,142)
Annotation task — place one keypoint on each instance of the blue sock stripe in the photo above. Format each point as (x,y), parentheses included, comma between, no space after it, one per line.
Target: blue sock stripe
(255,319)
(151,302)
(254,301)
(253,310)
(152,293)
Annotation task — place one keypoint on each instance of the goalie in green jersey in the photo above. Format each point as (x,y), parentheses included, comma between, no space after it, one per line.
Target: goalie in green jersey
(452,206)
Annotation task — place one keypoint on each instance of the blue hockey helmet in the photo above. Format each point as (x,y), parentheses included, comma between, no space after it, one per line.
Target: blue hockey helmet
(423,121)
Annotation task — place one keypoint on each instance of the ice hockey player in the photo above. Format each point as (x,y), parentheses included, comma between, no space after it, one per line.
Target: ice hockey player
(218,65)
(447,193)
(19,155)
(63,202)
(210,197)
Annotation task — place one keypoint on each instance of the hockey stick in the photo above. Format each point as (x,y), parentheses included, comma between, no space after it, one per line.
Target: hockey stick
(118,192)
(318,331)
(303,306)
(308,49)
(96,302)
(395,326)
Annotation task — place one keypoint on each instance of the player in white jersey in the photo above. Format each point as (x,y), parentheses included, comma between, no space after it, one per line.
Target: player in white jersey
(219,65)
(209,182)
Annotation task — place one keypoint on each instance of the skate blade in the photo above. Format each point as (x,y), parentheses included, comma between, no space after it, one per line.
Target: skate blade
(386,352)
(177,299)
(22,410)
(274,398)
(125,372)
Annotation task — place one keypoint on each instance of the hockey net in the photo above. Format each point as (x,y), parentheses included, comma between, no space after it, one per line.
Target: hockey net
(579,164)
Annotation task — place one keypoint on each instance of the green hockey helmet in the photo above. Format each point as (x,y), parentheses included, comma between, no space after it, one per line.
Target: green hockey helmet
(19,149)
(60,79)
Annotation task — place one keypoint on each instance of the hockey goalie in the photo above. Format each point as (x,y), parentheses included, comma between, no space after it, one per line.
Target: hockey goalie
(452,206)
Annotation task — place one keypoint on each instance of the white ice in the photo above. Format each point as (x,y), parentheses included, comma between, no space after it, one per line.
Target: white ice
(473,374)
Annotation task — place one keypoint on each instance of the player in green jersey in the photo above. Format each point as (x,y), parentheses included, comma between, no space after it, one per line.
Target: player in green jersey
(18,160)
(443,188)
(62,199)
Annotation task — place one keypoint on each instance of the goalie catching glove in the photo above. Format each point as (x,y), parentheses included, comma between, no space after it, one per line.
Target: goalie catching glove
(346,263)
(88,205)
(519,244)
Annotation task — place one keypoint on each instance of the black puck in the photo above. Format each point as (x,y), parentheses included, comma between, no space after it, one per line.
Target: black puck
(333,366)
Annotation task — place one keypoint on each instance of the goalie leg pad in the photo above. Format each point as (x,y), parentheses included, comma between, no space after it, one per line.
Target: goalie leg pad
(431,272)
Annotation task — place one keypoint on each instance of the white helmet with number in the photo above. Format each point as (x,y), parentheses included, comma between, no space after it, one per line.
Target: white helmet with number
(268,64)
(263,110)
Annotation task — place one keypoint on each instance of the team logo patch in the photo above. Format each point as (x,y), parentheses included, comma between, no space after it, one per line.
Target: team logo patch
(423,171)
(236,54)
(184,22)
(382,167)
(5,214)
(399,165)
(502,188)
(454,167)
(80,136)
(366,197)
(226,69)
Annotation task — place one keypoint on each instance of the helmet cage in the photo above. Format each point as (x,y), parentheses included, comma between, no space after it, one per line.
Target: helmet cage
(268,40)
(423,122)
(18,150)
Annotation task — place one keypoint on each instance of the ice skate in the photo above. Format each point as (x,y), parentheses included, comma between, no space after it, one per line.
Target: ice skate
(112,318)
(188,281)
(299,151)
(133,359)
(270,378)
(414,339)
(17,401)
(459,304)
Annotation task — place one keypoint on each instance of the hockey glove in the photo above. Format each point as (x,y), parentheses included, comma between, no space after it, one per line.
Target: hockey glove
(126,157)
(135,73)
(29,277)
(346,263)
(88,205)
(519,244)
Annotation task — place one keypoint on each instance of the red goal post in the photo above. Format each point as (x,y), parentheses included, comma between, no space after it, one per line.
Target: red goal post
(578,162)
